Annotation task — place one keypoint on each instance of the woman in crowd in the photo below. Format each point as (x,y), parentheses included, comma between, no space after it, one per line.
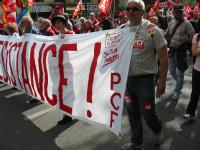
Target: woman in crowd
(192,106)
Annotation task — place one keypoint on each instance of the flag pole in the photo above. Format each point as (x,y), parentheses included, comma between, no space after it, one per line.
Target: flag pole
(113,9)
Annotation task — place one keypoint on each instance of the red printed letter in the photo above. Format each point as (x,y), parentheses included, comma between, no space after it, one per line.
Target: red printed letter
(33,71)
(114,80)
(51,48)
(1,43)
(112,100)
(111,118)
(17,64)
(10,64)
(25,77)
(5,78)
(63,80)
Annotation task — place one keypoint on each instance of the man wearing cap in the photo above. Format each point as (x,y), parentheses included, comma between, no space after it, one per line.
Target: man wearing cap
(82,24)
(140,93)
(179,32)
(60,24)
(93,19)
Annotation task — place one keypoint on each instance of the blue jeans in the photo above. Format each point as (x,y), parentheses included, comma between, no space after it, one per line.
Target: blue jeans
(176,74)
(140,101)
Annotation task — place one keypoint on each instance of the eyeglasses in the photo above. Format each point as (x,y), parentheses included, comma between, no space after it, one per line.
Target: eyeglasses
(133,8)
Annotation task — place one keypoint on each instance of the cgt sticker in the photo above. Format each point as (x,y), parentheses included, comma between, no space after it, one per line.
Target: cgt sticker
(139,44)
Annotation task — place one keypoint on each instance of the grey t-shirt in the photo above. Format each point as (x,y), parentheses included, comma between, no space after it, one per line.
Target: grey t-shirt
(181,34)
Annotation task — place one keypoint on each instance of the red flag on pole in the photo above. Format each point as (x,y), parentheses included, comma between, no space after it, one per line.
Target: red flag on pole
(105,5)
(78,9)
(187,7)
(197,7)
(155,7)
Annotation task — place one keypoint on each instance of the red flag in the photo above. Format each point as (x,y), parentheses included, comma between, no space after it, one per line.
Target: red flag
(197,7)
(151,11)
(30,2)
(187,7)
(155,7)
(105,5)
(78,9)
(19,4)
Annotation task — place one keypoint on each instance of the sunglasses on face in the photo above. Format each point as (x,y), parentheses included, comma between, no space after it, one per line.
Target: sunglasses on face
(133,8)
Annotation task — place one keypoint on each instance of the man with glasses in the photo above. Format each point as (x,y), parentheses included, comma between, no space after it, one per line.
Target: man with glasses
(140,89)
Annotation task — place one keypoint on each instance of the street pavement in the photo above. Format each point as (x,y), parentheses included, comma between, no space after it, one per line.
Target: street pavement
(26,126)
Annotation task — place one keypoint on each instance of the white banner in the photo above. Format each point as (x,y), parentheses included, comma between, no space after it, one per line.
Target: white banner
(84,76)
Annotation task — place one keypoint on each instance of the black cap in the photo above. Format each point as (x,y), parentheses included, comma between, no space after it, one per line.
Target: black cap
(59,17)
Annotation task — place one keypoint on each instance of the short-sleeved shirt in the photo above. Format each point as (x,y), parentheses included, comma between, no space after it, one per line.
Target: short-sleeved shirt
(145,46)
(181,34)
(197,61)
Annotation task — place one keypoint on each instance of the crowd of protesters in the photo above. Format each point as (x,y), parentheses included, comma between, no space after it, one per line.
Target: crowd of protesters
(173,37)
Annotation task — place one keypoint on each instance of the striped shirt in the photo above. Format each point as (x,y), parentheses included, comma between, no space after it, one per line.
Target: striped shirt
(146,43)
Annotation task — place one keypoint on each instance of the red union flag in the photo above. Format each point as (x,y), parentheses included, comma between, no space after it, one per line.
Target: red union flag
(155,7)
(187,7)
(197,8)
(78,9)
(105,5)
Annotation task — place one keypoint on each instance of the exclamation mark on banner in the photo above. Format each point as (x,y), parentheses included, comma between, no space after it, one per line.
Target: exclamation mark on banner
(97,49)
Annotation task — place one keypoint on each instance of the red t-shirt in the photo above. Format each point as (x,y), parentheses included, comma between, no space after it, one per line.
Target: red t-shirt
(69,32)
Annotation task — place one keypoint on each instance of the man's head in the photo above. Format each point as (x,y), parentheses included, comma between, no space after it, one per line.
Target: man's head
(26,23)
(135,11)
(82,20)
(39,21)
(46,23)
(59,22)
(178,12)
(92,16)
(11,28)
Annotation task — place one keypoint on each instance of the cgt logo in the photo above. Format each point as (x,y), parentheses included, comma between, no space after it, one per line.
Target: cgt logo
(111,53)
(113,39)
